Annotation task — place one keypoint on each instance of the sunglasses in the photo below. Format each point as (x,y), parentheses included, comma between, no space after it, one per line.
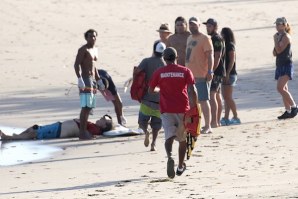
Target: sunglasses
(107,117)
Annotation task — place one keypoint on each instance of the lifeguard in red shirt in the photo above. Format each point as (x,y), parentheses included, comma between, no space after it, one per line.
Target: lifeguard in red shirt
(173,81)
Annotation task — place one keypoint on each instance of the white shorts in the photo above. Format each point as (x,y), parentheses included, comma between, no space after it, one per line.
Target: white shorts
(173,126)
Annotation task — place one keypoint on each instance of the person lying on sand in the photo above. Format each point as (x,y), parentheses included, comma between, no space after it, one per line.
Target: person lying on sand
(66,129)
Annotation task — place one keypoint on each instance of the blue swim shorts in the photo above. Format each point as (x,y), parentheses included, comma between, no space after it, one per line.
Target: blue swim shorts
(87,100)
(203,88)
(49,131)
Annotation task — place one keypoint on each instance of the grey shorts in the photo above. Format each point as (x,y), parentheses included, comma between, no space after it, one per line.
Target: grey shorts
(173,126)
(203,88)
(145,120)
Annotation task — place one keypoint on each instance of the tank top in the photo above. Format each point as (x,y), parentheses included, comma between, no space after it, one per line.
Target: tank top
(285,57)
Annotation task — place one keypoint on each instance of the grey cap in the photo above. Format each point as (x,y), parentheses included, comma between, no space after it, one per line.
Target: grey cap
(281,20)
(170,54)
(211,21)
(194,20)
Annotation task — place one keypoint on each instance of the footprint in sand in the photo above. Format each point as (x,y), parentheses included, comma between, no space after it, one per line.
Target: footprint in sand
(160,180)
(119,184)
(100,191)
(92,195)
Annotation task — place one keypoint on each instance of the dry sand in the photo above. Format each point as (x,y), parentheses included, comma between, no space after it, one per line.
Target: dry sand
(39,42)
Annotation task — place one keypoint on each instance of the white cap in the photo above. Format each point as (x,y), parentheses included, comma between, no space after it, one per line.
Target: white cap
(160,47)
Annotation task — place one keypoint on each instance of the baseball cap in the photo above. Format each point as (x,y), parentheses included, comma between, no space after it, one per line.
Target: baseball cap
(170,53)
(160,47)
(194,20)
(165,27)
(281,20)
(211,21)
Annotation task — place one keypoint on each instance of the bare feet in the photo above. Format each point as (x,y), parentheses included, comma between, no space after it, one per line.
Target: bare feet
(214,125)
(206,130)
(3,136)
(146,141)
(153,147)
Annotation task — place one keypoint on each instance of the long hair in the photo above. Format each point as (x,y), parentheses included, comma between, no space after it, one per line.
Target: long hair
(183,20)
(288,28)
(228,35)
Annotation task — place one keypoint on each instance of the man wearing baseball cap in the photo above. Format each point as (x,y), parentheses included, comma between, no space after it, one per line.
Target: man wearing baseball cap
(173,81)
(219,71)
(200,60)
(211,21)
(149,108)
(284,66)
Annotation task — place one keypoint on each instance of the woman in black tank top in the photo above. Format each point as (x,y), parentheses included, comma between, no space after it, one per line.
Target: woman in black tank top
(284,66)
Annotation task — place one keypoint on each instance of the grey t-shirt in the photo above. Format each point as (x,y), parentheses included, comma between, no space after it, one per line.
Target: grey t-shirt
(149,66)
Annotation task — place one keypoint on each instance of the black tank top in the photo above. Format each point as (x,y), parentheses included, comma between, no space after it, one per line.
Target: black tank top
(285,57)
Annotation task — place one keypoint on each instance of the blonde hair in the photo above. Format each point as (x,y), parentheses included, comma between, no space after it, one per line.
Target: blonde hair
(288,28)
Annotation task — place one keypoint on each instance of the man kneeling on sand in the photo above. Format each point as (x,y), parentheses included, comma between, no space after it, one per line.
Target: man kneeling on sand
(66,129)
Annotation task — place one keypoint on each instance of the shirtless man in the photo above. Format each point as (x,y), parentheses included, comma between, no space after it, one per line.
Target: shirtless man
(179,38)
(87,74)
(65,129)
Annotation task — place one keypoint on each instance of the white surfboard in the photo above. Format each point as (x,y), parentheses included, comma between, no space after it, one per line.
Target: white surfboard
(11,130)
(123,131)
(20,152)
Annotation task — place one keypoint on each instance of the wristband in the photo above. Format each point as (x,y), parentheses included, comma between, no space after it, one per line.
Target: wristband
(210,72)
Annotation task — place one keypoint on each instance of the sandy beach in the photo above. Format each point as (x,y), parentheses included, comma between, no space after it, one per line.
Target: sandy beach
(39,42)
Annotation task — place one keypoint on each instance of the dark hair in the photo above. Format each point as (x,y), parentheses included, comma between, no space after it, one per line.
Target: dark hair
(170,54)
(157,54)
(109,124)
(89,31)
(171,59)
(228,35)
(182,19)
